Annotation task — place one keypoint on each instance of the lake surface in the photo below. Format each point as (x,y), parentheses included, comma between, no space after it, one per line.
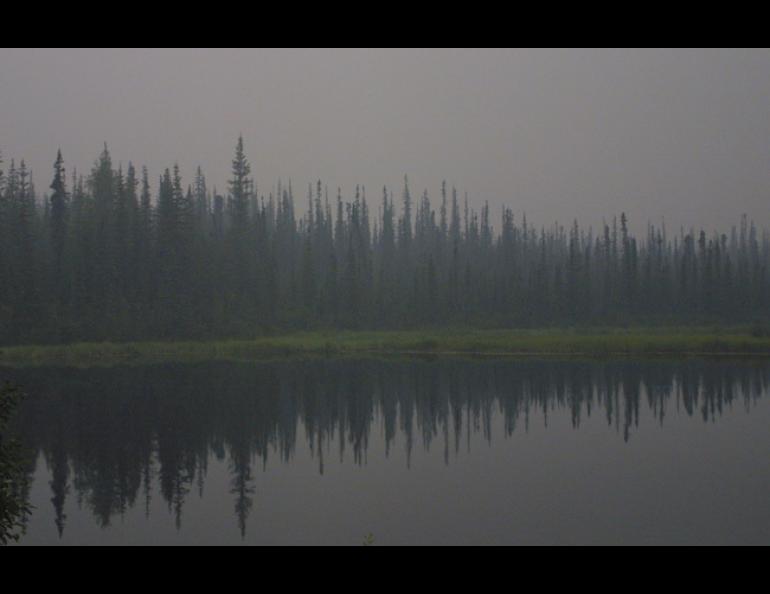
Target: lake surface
(409,452)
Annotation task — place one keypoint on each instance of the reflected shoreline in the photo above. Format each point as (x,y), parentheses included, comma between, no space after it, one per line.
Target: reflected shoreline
(113,438)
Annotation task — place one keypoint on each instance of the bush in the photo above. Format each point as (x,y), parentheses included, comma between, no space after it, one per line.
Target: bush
(13,505)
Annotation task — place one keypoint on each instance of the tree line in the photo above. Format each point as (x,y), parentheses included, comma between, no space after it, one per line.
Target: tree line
(115,255)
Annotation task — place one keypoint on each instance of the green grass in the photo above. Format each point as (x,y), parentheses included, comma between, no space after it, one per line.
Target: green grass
(608,342)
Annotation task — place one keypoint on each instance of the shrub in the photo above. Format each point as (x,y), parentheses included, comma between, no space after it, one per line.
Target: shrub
(13,506)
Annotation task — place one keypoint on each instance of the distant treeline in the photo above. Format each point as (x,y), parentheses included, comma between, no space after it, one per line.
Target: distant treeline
(112,255)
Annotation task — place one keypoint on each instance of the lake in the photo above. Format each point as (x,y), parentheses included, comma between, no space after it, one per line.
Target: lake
(444,451)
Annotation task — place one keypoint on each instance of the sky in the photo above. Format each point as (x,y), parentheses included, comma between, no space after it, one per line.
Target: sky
(558,134)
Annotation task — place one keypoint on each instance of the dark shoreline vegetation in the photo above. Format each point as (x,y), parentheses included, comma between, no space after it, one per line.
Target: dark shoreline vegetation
(108,257)
(14,508)
(645,342)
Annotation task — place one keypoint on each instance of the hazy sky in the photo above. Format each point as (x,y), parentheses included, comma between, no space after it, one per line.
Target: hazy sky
(559,134)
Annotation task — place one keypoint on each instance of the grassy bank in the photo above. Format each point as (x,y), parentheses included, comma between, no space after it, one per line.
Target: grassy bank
(561,343)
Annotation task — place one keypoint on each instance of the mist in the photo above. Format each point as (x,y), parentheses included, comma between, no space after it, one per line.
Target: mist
(558,134)
(384,296)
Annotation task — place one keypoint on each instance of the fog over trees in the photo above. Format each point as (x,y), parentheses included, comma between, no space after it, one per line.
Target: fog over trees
(115,255)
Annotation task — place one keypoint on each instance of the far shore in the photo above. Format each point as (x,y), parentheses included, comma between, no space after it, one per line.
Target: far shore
(588,343)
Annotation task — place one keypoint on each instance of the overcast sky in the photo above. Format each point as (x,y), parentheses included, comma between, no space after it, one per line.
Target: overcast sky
(559,134)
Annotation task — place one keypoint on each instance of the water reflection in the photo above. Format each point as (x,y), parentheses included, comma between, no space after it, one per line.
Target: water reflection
(112,438)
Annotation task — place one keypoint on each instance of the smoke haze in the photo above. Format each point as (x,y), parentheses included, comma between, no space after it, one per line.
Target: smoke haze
(559,134)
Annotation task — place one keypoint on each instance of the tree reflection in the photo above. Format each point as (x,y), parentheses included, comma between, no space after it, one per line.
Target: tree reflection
(115,437)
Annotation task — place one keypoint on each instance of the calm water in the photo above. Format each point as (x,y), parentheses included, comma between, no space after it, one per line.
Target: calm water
(417,452)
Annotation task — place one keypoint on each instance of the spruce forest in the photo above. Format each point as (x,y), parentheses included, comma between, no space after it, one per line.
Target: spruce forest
(116,255)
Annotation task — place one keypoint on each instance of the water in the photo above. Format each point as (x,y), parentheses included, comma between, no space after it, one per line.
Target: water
(411,452)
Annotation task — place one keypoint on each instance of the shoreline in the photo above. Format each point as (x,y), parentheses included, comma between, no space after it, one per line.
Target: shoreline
(608,343)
